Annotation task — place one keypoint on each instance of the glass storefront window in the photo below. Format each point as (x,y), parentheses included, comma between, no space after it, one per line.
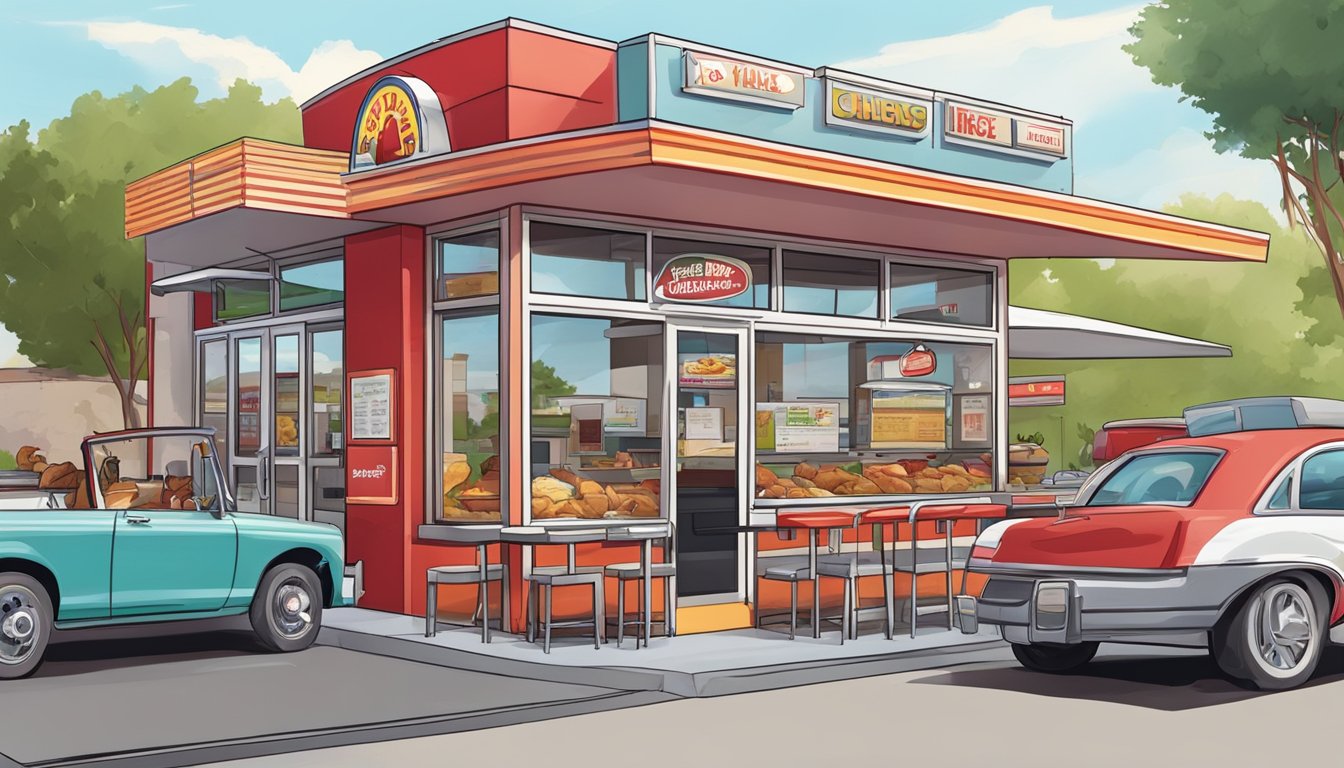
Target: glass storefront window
(286,392)
(312,285)
(758,259)
(215,391)
(582,261)
(247,421)
(941,295)
(468,265)
(838,416)
(818,284)
(236,299)
(328,384)
(468,414)
(597,388)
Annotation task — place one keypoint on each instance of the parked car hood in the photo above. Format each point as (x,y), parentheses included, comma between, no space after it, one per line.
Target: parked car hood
(284,527)
(1104,537)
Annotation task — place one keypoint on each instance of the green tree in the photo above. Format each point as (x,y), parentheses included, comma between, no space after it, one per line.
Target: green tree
(1269,75)
(1259,310)
(74,286)
(546,384)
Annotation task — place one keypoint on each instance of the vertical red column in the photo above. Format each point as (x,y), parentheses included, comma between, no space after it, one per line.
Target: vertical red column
(385,329)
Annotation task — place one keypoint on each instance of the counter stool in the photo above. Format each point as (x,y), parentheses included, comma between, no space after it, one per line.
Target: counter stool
(545,578)
(480,574)
(642,572)
(793,571)
(917,561)
(789,568)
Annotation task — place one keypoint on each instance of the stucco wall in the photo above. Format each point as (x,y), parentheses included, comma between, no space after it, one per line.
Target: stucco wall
(55,411)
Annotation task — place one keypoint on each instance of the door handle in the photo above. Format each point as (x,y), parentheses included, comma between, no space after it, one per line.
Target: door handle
(137,519)
(264,473)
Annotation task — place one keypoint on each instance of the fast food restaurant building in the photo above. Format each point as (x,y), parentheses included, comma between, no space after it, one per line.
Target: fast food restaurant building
(524,275)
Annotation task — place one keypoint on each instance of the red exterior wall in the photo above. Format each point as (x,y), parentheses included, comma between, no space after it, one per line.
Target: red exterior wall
(385,328)
(202,310)
(501,85)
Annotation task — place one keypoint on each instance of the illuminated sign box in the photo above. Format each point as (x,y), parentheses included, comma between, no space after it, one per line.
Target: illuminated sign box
(737,79)
(864,104)
(975,125)
(1036,390)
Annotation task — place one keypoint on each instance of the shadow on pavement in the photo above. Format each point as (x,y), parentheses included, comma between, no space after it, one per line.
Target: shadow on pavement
(74,657)
(1168,683)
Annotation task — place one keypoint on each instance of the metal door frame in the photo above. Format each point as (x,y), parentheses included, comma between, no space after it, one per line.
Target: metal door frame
(744,439)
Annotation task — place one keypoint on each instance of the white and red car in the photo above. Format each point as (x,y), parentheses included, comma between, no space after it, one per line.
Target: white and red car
(1231,538)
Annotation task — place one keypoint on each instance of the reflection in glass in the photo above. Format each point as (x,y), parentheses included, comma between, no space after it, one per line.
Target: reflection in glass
(242,298)
(941,295)
(248,418)
(468,265)
(215,391)
(818,284)
(468,408)
(287,419)
(245,489)
(327,389)
(596,388)
(286,494)
(836,417)
(581,261)
(312,285)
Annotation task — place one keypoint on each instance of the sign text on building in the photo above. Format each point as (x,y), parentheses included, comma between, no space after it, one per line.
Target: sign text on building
(880,110)
(700,277)
(400,119)
(743,81)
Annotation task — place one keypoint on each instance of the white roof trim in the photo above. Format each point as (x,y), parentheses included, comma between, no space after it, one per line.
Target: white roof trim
(1037,334)
(203,279)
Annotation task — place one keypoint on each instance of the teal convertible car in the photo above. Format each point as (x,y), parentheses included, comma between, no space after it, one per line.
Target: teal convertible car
(150,533)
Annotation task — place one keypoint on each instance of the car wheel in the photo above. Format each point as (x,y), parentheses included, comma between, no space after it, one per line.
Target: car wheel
(287,609)
(25,625)
(1274,640)
(1055,659)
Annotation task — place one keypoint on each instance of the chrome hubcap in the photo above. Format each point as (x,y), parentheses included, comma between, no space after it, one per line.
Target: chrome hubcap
(1283,625)
(291,609)
(19,627)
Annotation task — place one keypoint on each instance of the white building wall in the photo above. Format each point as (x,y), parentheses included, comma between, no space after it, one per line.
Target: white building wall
(174,355)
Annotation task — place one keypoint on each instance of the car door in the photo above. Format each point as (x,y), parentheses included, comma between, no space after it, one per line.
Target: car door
(172,550)
(171,561)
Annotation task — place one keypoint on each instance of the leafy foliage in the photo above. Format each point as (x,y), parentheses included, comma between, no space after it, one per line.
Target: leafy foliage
(73,286)
(547,384)
(1276,317)
(1268,73)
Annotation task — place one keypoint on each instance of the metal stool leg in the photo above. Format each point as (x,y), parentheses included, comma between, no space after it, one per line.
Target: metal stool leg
(431,608)
(504,615)
(528,626)
(550,598)
(599,619)
(640,626)
(620,612)
(485,611)
(793,609)
(667,606)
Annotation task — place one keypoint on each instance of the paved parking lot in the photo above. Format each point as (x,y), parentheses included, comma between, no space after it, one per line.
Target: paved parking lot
(182,700)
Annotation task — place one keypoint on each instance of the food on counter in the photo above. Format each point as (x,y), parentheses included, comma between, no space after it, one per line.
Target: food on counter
(895,478)
(552,488)
(456,470)
(555,496)
(764,477)
(623,461)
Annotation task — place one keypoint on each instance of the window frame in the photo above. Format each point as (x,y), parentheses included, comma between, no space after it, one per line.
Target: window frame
(1294,469)
(992,273)
(599,224)
(302,261)
(879,309)
(436,310)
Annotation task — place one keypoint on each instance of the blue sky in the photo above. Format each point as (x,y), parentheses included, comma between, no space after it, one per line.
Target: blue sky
(1135,143)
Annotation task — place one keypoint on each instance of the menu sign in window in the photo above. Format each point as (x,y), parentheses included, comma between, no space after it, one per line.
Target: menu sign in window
(716,371)
(798,427)
(371,406)
(909,420)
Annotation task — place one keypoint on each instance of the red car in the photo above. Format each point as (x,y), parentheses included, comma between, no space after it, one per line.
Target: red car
(1116,437)
(1231,539)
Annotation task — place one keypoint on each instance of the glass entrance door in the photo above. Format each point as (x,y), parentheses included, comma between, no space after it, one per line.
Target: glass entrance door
(708,479)
(274,396)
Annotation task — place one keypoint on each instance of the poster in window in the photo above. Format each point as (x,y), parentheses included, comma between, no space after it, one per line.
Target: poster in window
(903,419)
(973,420)
(717,371)
(624,414)
(799,427)
(704,424)
(371,405)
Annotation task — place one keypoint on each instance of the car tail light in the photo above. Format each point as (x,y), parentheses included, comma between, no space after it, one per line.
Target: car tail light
(1052,605)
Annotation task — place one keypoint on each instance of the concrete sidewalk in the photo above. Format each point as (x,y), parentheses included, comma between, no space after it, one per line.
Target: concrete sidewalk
(710,664)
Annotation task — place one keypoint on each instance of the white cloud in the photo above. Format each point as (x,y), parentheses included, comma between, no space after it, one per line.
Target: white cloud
(1183,163)
(169,50)
(1072,67)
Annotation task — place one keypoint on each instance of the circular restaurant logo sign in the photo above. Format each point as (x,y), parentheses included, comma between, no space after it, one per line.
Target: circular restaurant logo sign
(699,277)
(400,118)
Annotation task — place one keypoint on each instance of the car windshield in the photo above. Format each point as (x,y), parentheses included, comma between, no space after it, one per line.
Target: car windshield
(155,471)
(1167,477)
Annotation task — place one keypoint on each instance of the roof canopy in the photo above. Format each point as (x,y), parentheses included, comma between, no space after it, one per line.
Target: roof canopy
(1035,334)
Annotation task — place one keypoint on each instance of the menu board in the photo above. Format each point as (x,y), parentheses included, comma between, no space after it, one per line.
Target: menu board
(973,419)
(704,424)
(798,427)
(909,420)
(371,406)
(718,371)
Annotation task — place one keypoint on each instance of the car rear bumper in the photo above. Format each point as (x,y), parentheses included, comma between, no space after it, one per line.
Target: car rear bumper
(1061,606)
